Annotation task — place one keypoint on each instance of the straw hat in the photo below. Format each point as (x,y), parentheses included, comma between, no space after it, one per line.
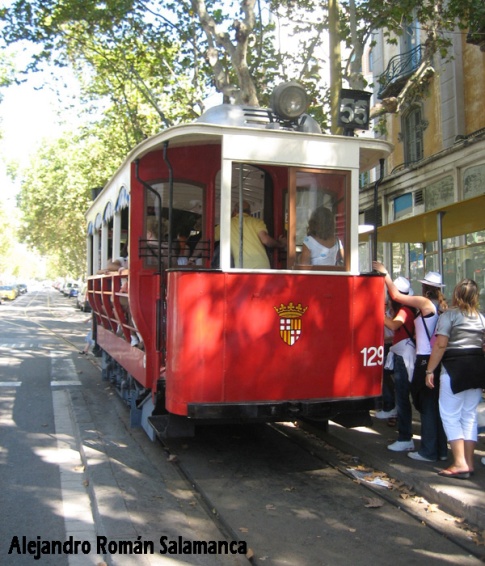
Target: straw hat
(403,285)
(433,279)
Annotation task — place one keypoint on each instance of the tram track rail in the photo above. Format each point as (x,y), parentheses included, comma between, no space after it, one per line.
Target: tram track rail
(218,519)
(315,445)
(401,497)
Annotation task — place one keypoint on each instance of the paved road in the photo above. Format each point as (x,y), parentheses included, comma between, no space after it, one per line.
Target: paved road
(72,470)
(129,494)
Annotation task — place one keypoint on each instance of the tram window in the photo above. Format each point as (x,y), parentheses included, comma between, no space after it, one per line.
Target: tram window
(253,187)
(260,188)
(109,229)
(181,231)
(320,219)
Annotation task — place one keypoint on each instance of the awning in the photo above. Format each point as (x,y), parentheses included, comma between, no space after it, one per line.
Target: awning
(98,222)
(123,199)
(460,218)
(108,212)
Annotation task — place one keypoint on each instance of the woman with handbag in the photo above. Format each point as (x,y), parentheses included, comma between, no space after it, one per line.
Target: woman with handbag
(459,349)
(433,438)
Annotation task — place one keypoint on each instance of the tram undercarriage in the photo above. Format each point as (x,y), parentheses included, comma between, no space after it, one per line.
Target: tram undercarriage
(157,422)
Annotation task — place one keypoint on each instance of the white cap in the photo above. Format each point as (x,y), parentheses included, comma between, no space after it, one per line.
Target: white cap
(432,278)
(403,285)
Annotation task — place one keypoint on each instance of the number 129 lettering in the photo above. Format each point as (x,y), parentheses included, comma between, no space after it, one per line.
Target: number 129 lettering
(373,356)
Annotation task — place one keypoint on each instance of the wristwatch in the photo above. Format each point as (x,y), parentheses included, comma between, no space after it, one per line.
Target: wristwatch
(429,372)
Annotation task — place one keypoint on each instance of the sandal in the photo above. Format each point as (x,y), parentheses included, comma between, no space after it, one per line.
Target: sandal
(464,475)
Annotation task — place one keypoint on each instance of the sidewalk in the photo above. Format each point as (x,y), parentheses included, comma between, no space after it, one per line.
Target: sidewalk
(462,498)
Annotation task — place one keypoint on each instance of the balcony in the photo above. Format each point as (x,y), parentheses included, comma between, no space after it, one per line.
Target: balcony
(399,69)
(477,37)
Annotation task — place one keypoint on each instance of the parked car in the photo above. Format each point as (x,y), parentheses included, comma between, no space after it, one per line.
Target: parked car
(8,292)
(22,288)
(81,299)
(65,289)
(74,290)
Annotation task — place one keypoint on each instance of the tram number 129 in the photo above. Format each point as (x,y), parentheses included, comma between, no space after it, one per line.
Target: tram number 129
(373,356)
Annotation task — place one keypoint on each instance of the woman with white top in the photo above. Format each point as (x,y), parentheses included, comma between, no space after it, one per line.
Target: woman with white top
(321,246)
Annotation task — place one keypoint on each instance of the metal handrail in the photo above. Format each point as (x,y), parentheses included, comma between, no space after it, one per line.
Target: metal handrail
(401,65)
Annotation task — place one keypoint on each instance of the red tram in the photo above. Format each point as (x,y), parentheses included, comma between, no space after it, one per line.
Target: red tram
(189,334)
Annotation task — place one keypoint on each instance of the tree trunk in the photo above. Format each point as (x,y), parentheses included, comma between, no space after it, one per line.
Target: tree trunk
(245,91)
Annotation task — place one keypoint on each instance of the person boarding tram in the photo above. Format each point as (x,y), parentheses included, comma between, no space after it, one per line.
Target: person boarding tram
(430,304)
(403,352)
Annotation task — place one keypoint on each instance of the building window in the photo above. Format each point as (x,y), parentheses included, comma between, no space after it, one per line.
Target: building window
(403,206)
(364,179)
(413,127)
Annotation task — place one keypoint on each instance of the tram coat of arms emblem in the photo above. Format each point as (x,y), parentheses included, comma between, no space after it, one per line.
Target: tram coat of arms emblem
(290,322)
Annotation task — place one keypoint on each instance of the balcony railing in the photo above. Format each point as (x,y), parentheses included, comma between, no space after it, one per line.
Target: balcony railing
(398,71)
(477,37)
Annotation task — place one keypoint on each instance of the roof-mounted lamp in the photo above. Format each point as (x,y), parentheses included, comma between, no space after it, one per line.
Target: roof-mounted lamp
(289,103)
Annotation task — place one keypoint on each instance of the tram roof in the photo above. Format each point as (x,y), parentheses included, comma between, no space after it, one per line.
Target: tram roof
(459,218)
(370,149)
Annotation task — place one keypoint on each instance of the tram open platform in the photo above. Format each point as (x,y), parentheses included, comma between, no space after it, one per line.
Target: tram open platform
(462,498)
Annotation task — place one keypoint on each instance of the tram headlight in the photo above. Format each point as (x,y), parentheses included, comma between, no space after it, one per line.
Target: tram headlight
(289,100)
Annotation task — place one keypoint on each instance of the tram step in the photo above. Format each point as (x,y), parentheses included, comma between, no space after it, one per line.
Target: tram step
(171,426)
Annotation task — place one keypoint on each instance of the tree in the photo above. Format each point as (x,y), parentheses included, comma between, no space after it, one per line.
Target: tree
(55,193)
(144,65)
(360,19)
(212,41)
(6,241)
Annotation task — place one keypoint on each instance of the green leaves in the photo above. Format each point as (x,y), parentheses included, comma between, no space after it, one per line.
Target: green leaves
(143,66)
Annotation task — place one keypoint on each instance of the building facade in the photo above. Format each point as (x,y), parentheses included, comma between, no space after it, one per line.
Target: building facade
(430,208)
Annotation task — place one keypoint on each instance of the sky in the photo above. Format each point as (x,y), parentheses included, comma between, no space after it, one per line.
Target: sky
(26,117)
(28,114)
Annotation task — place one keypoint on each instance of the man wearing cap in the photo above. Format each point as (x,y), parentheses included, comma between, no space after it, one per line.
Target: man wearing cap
(403,351)
(433,439)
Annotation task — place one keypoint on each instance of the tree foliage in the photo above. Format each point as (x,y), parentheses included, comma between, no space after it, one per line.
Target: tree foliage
(147,64)
(6,239)
(173,50)
(55,193)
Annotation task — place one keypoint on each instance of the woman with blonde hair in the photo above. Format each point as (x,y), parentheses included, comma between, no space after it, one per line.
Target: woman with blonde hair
(459,349)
